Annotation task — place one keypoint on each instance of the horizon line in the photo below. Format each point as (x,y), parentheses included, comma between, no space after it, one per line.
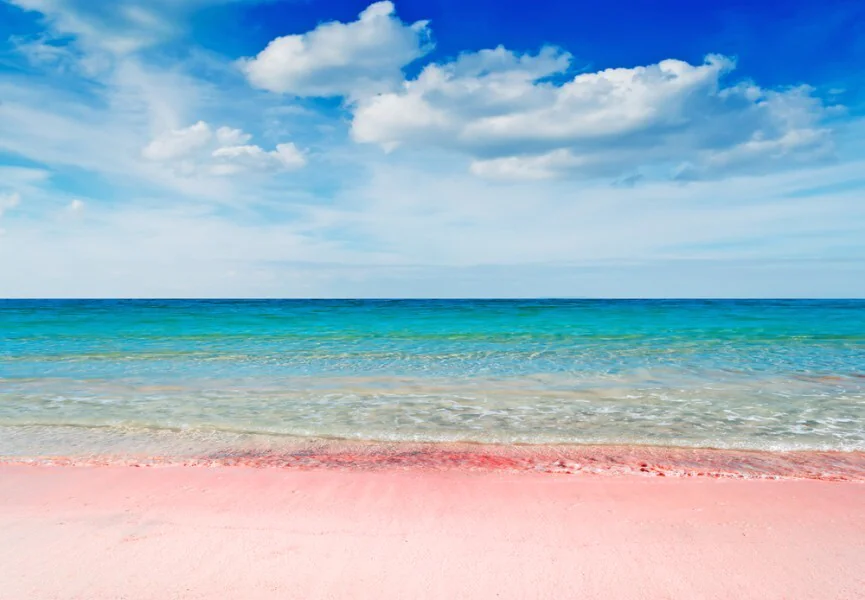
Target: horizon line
(428,298)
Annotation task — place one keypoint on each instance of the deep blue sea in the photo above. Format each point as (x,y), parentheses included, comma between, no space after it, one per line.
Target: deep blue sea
(92,376)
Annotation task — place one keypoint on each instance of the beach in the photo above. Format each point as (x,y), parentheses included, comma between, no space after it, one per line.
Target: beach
(154,449)
(432,300)
(244,532)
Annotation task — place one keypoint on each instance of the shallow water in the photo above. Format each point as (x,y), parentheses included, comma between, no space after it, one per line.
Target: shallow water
(92,376)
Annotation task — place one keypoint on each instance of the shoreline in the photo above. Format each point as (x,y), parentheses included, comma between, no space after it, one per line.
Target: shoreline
(103,532)
(608,460)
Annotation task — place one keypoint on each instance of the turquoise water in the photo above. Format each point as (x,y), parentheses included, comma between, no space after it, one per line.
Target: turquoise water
(90,376)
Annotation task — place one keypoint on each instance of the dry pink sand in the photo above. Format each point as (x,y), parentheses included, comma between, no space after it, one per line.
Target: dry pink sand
(240,532)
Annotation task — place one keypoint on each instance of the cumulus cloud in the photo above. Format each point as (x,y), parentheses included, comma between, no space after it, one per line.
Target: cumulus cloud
(179,143)
(523,117)
(198,149)
(341,59)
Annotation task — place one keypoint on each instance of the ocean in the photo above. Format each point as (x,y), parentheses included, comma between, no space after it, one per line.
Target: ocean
(84,377)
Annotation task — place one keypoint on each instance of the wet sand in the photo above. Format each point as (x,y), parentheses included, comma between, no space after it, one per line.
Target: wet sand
(660,461)
(100,532)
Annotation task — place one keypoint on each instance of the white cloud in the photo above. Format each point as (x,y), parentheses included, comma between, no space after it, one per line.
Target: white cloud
(285,155)
(178,143)
(227,136)
(543,166)
(124,103)
(341,59)
(515,119)
(75,207)
(197,150)
(9,201)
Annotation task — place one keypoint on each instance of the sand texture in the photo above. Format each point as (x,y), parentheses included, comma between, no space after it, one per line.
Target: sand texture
(240,532)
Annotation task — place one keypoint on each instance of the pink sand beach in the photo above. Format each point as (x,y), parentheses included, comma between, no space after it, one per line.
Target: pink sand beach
(158,532)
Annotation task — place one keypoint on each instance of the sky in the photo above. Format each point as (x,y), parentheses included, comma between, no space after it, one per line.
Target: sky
(437,148)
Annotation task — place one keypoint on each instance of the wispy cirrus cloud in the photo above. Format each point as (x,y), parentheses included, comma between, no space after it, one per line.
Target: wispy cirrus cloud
(120,26)
(9,201)
(122,114)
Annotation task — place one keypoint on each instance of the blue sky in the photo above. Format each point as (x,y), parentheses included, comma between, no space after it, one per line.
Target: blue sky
(183,148)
